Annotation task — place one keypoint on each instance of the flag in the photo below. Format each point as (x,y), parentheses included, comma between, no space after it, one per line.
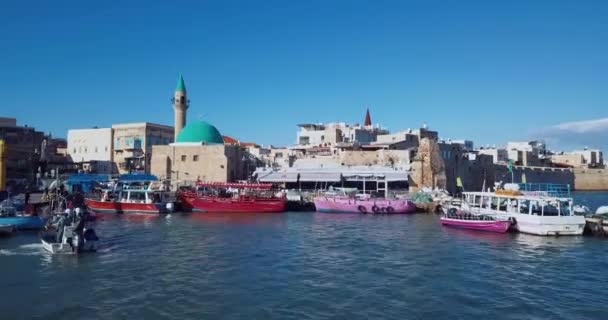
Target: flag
(523,177)
(458,182)
(510,165)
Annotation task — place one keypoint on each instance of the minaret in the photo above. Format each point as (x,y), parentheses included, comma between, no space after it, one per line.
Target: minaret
(180,105)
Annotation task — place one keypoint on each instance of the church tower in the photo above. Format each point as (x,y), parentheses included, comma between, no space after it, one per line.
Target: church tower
(180,105)
(368,119)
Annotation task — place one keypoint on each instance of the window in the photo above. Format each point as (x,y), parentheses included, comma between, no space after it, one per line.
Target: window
(195,158)
(117,143)
(74,152)
(96,150)
(183,158)
(106,149)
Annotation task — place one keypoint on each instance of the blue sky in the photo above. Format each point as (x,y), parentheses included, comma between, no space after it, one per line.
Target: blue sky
(490,71)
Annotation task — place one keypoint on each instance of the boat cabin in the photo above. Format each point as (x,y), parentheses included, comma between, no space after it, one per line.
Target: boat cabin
(518,203)
(138,193)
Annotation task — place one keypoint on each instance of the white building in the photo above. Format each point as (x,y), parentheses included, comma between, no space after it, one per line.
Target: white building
(498,155)
(330,134)
(537,148)
(92,147)
(467,145)
(527,153)
(592,157)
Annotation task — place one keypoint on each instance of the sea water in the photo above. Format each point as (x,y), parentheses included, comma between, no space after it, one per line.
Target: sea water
(304,265)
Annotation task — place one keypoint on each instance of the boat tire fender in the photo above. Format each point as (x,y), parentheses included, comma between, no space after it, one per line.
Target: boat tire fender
(375,209)
(362,209)
(512,221)
(390,209)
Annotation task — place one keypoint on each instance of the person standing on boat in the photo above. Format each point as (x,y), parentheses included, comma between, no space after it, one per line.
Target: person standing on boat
(59,227)
(78,200)
(27,195)
(78,226)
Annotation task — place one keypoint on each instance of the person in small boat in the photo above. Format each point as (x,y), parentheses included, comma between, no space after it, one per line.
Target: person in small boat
(45,195)
(78,200)
(78,228)
(27,195)
(105,197)
(156,198)
(60,222)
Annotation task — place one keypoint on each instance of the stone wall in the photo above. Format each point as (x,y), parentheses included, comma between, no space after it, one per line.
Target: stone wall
(590,179)
(428,168)
(216,163)
(536,175)
(392,158)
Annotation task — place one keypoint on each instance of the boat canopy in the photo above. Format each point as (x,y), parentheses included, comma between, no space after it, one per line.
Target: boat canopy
(133,177)
(86,182)
(260,186)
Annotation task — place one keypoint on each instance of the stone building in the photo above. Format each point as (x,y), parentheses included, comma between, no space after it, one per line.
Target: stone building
(23,150)
(199,154)
(132,144)
(331,134)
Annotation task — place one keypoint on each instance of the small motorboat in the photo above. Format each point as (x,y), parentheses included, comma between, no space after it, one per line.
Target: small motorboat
(597,224)
(6,229)
(10,215)
(70,236)
(456,218)
(24,222)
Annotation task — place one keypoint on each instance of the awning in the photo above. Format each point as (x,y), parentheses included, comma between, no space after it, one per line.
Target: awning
(258,186)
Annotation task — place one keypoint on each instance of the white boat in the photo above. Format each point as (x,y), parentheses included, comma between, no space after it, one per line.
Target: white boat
(533,214)
(70,242)
(71,237)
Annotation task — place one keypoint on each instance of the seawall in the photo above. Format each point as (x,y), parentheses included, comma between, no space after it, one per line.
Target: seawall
(591,179)
(579,179)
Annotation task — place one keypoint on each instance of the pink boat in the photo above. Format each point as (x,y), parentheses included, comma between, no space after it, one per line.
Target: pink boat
(338,204)
(455,218)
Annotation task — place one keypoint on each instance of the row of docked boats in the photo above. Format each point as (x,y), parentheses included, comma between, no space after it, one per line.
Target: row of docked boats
(535,213)
(153,198)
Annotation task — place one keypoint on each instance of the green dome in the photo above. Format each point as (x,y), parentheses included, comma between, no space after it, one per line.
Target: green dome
(200,132)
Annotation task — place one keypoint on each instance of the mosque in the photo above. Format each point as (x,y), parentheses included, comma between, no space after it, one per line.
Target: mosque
(199,152)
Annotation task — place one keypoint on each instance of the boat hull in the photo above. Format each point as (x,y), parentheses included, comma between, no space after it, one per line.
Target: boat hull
(490,226)
(193,202)
(347,205)
(6,229)
(572,229)
(64,248)
(24,222)
(125,207)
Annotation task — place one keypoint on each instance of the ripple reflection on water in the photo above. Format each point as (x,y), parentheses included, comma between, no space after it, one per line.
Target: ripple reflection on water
(306,266)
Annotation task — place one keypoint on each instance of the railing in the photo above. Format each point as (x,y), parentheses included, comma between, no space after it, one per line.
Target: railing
(545,189)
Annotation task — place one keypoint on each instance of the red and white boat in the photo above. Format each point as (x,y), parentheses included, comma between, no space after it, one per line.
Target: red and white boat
(143,200)
(232,197)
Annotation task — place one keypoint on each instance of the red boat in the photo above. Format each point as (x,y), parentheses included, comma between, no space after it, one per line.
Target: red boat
(147,201)
(232,197)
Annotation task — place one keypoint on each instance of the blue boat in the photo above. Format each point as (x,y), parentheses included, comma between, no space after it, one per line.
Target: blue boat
(24,222)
